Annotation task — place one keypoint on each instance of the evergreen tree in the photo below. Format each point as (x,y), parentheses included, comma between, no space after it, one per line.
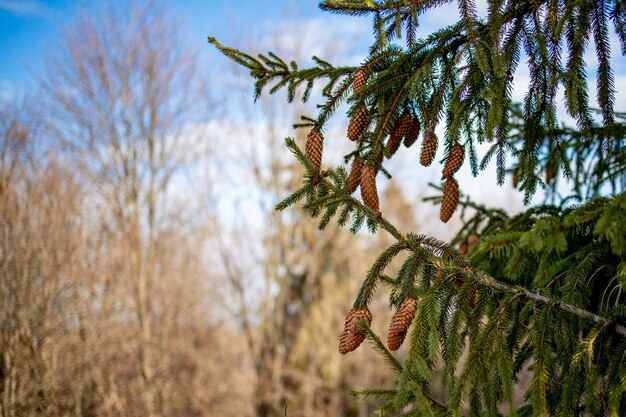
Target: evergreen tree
(539,292)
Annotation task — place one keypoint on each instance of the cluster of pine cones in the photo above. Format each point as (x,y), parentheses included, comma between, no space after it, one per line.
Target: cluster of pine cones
(351,338)
(406,130)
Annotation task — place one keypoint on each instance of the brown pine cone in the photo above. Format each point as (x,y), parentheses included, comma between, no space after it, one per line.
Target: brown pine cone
(393,144)
(454,161)
(474,299)
(355,175)
(314,147)
(450,199)
(550,173)
(369,193)
(463,248)
(429,147)
(414,130)
(399,130)
(515,177)
(358,123)
(351,338)
(360,78)
(472,241)
(400,323)
(397,133)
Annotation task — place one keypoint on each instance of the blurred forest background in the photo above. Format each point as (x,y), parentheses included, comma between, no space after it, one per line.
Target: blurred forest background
(143,270)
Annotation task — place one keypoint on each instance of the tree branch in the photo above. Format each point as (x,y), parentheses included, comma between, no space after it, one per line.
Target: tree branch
(484,280)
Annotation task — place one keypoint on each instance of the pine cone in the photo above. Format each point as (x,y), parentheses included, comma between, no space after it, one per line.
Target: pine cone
(463,248)
(413,133)
(358,123)
(369,193)
(429,147)
(314,147)
(360,78)
(454,161)
(515,177)
(393,144)
(351,338)
(355,175)
(474,299)
(550,173)
(397,133)
(450,199)
(400,323)
(472,241)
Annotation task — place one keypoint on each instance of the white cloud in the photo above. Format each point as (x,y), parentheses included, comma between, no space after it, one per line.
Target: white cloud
(342,38)
(29,8)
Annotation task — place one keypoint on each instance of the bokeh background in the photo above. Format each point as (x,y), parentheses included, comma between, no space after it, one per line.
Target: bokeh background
(143,270)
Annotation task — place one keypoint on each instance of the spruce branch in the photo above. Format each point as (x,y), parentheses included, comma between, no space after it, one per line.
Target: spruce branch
(448,255)
(358,8)
(266,69)
(380,347)
(464,274)
(544,287)
(379,394)
(555,304)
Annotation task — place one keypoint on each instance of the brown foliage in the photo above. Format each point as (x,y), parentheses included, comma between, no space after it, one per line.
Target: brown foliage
(118,297)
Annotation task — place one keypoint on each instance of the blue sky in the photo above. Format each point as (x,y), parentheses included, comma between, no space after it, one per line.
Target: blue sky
(30,28)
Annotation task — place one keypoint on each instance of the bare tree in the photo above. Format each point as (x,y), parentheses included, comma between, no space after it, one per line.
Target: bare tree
(39,244)
(122,92)
(108,295)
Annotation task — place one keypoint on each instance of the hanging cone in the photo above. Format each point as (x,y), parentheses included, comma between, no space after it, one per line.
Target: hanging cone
(429,147)
(354,179)
(463,248)
(450,199)
(472,241)
(550,173)
(397,133)
(369,193)
(400,323)
(454,161)
(414,130)
(314,147)
(515,177)
(393,144)
(358,123)
(474,299)
(360,78)
(351,338)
